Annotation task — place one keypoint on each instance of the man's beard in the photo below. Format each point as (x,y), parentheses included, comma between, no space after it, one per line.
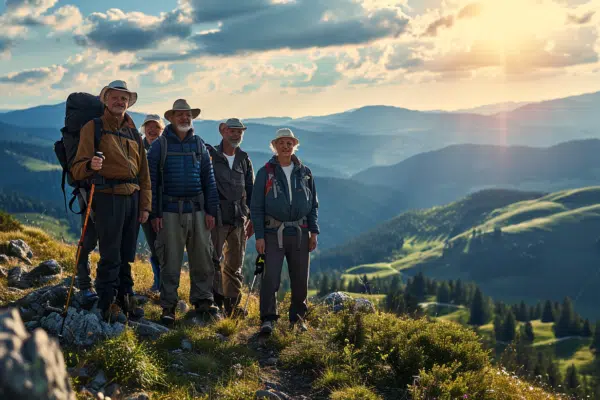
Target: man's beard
(235,143)
(183,128)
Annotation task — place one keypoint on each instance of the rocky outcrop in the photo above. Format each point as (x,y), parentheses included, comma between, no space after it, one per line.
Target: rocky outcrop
(21,250)
(83,325)
(31,365)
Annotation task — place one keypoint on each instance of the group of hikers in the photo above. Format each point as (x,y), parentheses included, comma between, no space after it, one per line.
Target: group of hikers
(189,195)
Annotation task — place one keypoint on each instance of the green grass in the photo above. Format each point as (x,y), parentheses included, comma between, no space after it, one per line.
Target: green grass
(460,316)
(57,228)
(380,270)
(34,164)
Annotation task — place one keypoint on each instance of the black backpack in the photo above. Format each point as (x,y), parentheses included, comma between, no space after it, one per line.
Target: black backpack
(80,109)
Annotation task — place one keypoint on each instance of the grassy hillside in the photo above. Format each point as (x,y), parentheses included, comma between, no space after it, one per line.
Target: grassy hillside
(543,247)
(348,355)
(418,231)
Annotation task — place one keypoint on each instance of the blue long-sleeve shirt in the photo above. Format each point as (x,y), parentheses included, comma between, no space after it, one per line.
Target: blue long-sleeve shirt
(184,176)
(304,202)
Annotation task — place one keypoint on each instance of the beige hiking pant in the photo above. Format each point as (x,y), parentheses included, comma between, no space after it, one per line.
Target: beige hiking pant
(184,231)
(230,247)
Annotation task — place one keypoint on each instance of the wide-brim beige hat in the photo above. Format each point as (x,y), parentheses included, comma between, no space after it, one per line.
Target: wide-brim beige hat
(285,133)
(120,86)
(181,105)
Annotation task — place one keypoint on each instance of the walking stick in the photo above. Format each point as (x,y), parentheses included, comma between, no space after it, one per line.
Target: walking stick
(260,267)
(78,253)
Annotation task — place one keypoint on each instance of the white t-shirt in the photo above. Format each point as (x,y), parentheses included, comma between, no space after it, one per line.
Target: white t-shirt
(230,159)
(288,174)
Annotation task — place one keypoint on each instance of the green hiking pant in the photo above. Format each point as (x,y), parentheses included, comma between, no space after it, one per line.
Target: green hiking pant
(187,231)
(230,244)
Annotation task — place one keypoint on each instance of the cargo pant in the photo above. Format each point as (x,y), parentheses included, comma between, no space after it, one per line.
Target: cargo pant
(298,260)
(117,224)
(186,231)
(230,247)
(84,280)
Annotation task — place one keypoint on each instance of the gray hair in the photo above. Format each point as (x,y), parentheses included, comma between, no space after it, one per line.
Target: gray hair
(274,150)
(160,123)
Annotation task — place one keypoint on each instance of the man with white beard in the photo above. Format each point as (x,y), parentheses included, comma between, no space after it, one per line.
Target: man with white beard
(235,180)
(186,202)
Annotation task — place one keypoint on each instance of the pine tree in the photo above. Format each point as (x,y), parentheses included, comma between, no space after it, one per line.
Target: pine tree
(587,329)
(554,377)
(541,366)
(528,334)
(548,313)
(395,284)
(572,381)
(564,325)
(596,342)
(324,286)
(480,313)
(459,293)
(499,328)
(510,327)
(538,311)
(523,312)
(419,287)
(443,293)
(334,286)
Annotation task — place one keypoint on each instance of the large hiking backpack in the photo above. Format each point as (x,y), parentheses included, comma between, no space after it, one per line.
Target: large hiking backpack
(80,109)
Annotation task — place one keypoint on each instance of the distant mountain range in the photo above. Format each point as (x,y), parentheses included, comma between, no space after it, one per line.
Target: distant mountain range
(369,136)
(442,176)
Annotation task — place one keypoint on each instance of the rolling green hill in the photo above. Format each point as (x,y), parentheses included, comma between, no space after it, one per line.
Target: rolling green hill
(531,247)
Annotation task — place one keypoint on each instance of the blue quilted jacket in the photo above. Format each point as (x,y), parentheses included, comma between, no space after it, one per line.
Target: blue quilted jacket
(183,176)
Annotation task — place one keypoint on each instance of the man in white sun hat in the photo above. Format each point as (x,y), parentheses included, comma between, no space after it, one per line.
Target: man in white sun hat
(284,214)
(123,195)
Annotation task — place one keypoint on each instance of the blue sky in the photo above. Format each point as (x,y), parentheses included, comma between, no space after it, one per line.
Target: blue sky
(252,58)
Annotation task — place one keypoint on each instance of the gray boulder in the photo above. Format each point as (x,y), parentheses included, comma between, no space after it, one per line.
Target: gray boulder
(49,268)
(31,365)
(4,259)
(18,248)
(17,278)
(338,301)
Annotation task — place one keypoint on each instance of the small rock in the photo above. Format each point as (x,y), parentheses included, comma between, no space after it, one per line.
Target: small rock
(15,290)
(3,272)
(183,307)
(265,394)
(78,372)
(99,381)
(47,268)
(18,248)
(4,259)
(138,396)
(176,351)
(178,367)
(186,345)
(16,278)
(336,300)
(112,390)
(364,305)
(271,361)
(148,329)
(221,337)
(194,374)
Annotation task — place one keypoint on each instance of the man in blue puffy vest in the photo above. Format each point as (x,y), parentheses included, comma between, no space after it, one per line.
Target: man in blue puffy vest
(186,202)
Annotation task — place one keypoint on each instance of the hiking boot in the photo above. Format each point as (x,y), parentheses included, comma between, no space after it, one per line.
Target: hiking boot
(206,309)
(129,305)
(267,327)
(298,324)
(89,295)
(167,317)
(114,314)
(232,309)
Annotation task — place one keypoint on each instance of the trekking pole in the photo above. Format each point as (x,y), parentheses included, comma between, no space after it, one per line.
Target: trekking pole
(260,267)
(79,247)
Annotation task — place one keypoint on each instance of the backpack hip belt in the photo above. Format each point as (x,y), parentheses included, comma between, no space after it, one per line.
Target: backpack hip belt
(271,222)
(182,200)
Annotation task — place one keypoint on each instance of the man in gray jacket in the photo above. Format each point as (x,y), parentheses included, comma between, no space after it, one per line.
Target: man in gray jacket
(235,179)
